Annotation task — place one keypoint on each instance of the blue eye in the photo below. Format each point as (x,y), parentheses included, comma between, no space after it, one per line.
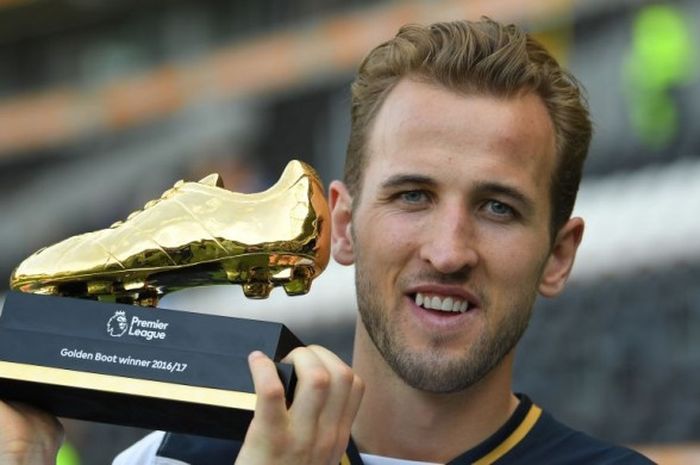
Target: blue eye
(413,196)
(499,208)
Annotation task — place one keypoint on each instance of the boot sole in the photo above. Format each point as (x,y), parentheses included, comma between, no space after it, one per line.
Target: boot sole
(257,273)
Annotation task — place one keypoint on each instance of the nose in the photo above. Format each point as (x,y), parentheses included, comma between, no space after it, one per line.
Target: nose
(449,243)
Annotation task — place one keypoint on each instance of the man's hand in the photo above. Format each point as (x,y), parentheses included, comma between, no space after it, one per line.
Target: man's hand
(28,436)
(315,429)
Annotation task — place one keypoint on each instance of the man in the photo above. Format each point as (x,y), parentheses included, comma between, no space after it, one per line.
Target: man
(464,159)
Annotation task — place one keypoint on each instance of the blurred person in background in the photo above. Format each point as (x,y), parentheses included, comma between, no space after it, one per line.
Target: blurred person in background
(465,156)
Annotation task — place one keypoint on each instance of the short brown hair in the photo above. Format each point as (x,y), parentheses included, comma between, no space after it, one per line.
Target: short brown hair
(476,57)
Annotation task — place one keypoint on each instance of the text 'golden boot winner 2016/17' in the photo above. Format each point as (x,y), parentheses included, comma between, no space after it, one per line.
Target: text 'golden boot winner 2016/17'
(197,233)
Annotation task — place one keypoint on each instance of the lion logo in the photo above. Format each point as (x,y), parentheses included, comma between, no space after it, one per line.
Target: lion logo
(117,324)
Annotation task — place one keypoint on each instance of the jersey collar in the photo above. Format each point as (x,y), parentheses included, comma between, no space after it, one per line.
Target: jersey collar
(487,452)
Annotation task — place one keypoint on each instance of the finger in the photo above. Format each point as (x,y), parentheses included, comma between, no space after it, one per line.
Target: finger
(313,384)
(270,404)
(28,435)
(341,384)
(38,421)
(352,406)
(343,401)
(345,422)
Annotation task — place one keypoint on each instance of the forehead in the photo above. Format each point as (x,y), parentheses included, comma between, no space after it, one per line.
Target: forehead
(425,127)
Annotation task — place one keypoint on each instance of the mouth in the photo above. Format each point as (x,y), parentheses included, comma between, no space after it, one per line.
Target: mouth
(444,304)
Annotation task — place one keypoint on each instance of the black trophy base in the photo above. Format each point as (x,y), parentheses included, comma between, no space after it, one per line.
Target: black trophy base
(148,368)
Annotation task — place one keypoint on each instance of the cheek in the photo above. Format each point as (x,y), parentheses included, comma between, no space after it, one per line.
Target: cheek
(385,244)
(516,262)
(382,248)
(386,232)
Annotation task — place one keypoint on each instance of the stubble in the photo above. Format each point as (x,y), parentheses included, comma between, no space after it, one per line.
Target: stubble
(433,369)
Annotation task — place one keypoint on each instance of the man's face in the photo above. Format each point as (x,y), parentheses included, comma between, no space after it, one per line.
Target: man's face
(450,235)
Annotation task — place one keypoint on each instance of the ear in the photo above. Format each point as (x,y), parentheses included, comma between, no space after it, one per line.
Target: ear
(561,258)
(341,223)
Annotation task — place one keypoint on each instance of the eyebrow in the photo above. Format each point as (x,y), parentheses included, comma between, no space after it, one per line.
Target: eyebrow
(399,180)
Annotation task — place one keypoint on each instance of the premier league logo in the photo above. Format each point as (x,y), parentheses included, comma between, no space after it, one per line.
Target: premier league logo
(117,324)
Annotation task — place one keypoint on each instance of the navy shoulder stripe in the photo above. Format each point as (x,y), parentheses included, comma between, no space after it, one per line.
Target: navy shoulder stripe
(198,450)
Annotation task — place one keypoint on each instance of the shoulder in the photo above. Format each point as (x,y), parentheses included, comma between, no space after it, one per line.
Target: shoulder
(552,442)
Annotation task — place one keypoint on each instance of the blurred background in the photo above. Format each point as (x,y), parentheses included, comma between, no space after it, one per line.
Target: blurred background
(105,104)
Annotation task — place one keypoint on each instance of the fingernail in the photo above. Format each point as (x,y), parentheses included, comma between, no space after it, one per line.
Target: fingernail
(255,354)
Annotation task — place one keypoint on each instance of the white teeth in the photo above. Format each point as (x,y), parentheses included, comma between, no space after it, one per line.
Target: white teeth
(446,304)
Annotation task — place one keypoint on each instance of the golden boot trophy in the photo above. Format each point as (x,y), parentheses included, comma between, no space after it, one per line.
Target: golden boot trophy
(75,339)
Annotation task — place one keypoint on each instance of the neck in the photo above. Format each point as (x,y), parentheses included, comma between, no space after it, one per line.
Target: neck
(419,425)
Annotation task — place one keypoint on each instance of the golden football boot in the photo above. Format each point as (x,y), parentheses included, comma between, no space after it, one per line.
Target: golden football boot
(197,233)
